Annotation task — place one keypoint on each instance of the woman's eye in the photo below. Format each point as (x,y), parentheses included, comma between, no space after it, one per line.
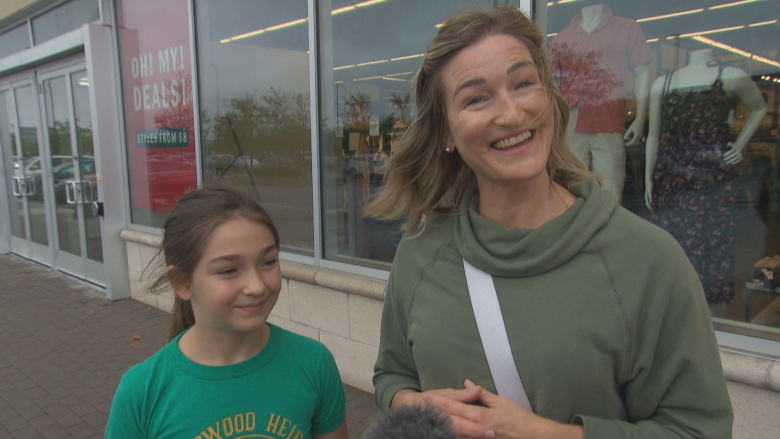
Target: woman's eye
(270,262)
(226,271)
(474,101)
(525,84)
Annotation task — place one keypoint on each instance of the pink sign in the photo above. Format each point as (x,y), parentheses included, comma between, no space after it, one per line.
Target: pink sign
(156,70)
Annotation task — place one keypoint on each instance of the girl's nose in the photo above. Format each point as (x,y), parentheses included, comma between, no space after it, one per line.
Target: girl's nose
(255,284)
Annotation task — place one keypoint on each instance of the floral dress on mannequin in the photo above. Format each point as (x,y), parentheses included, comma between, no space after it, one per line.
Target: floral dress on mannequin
(694,195)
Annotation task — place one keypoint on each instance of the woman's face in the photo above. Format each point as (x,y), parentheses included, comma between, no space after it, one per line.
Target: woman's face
(494,102)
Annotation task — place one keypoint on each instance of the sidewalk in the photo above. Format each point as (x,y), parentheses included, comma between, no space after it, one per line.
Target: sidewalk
(64,348)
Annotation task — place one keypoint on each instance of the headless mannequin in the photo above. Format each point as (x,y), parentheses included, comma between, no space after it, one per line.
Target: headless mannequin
(591,18)
(701,72)
(609,164)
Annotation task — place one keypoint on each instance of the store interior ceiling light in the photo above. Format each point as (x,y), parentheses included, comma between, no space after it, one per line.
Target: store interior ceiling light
(728,5)
(706,32)
(561,2)
(368,63)
(695,35)
(299,21)
(731,49)
(674,14)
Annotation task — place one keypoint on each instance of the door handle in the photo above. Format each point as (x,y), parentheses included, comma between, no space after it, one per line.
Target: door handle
(87,191)
(16,186)
(29,186)
(72,193)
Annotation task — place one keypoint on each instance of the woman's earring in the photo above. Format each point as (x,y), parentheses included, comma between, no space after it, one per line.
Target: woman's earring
(448,149)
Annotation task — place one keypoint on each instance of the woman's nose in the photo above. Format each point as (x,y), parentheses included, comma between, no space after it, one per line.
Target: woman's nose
(508,113)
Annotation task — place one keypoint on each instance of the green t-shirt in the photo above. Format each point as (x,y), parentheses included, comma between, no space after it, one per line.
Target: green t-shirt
(291,389)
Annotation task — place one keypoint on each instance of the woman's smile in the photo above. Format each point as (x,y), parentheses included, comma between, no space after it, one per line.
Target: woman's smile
(516,140)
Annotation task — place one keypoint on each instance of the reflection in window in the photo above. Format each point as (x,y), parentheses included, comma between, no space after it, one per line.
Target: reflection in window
(370,54)
(255,107)
(709,148)
(14,40)
(64,19)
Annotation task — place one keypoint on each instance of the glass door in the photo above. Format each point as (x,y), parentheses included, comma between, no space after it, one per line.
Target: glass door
(71,155)
(19,140)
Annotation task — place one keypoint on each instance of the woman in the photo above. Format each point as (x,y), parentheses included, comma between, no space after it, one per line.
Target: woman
(604,315)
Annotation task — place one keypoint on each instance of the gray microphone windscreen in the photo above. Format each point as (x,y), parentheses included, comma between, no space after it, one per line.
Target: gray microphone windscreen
(412,422)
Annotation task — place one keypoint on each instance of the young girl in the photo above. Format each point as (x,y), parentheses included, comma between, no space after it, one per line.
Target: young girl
(227,372)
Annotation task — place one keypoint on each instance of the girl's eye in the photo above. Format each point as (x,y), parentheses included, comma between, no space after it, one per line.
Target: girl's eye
(226,271)
(270,262)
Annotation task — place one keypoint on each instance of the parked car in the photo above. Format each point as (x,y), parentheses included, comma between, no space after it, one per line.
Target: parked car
(372,166)
(32,169)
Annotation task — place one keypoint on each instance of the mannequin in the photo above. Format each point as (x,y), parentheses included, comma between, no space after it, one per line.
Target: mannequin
(596,131)
(700,71)
(689,168)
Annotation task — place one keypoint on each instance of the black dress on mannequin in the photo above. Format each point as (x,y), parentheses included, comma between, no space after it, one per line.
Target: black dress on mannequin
(694,196)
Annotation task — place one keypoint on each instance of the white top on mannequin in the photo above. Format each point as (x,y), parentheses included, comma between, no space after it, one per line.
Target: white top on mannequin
(700,72)
(591,17)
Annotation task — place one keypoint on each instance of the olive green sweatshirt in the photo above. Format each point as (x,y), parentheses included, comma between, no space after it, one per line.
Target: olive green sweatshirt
(606,318)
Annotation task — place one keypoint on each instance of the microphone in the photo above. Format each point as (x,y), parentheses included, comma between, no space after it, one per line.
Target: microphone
(412,422)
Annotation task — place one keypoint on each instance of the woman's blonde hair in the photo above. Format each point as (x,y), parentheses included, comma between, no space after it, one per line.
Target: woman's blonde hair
(423,180)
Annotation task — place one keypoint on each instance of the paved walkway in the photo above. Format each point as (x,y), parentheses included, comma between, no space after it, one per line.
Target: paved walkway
(64,348)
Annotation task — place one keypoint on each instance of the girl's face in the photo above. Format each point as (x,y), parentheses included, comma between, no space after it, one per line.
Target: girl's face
(237,280)
(495,105)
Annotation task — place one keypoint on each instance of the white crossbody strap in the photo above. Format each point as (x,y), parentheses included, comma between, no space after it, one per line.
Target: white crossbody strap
(492,331)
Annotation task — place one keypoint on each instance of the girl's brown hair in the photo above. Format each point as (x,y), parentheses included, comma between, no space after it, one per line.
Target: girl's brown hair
(186,233)
(423,180)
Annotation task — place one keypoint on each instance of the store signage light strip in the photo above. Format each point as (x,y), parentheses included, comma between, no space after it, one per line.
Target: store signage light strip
(726,47)
(299,21)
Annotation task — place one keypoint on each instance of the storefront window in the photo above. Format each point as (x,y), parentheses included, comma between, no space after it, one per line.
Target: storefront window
(64,19)
(15,40)
(156,70)
(253,65)
(675,107)
(370,51)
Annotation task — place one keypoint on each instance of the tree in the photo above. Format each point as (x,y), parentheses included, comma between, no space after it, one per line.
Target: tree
(358,109)
(402,103)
